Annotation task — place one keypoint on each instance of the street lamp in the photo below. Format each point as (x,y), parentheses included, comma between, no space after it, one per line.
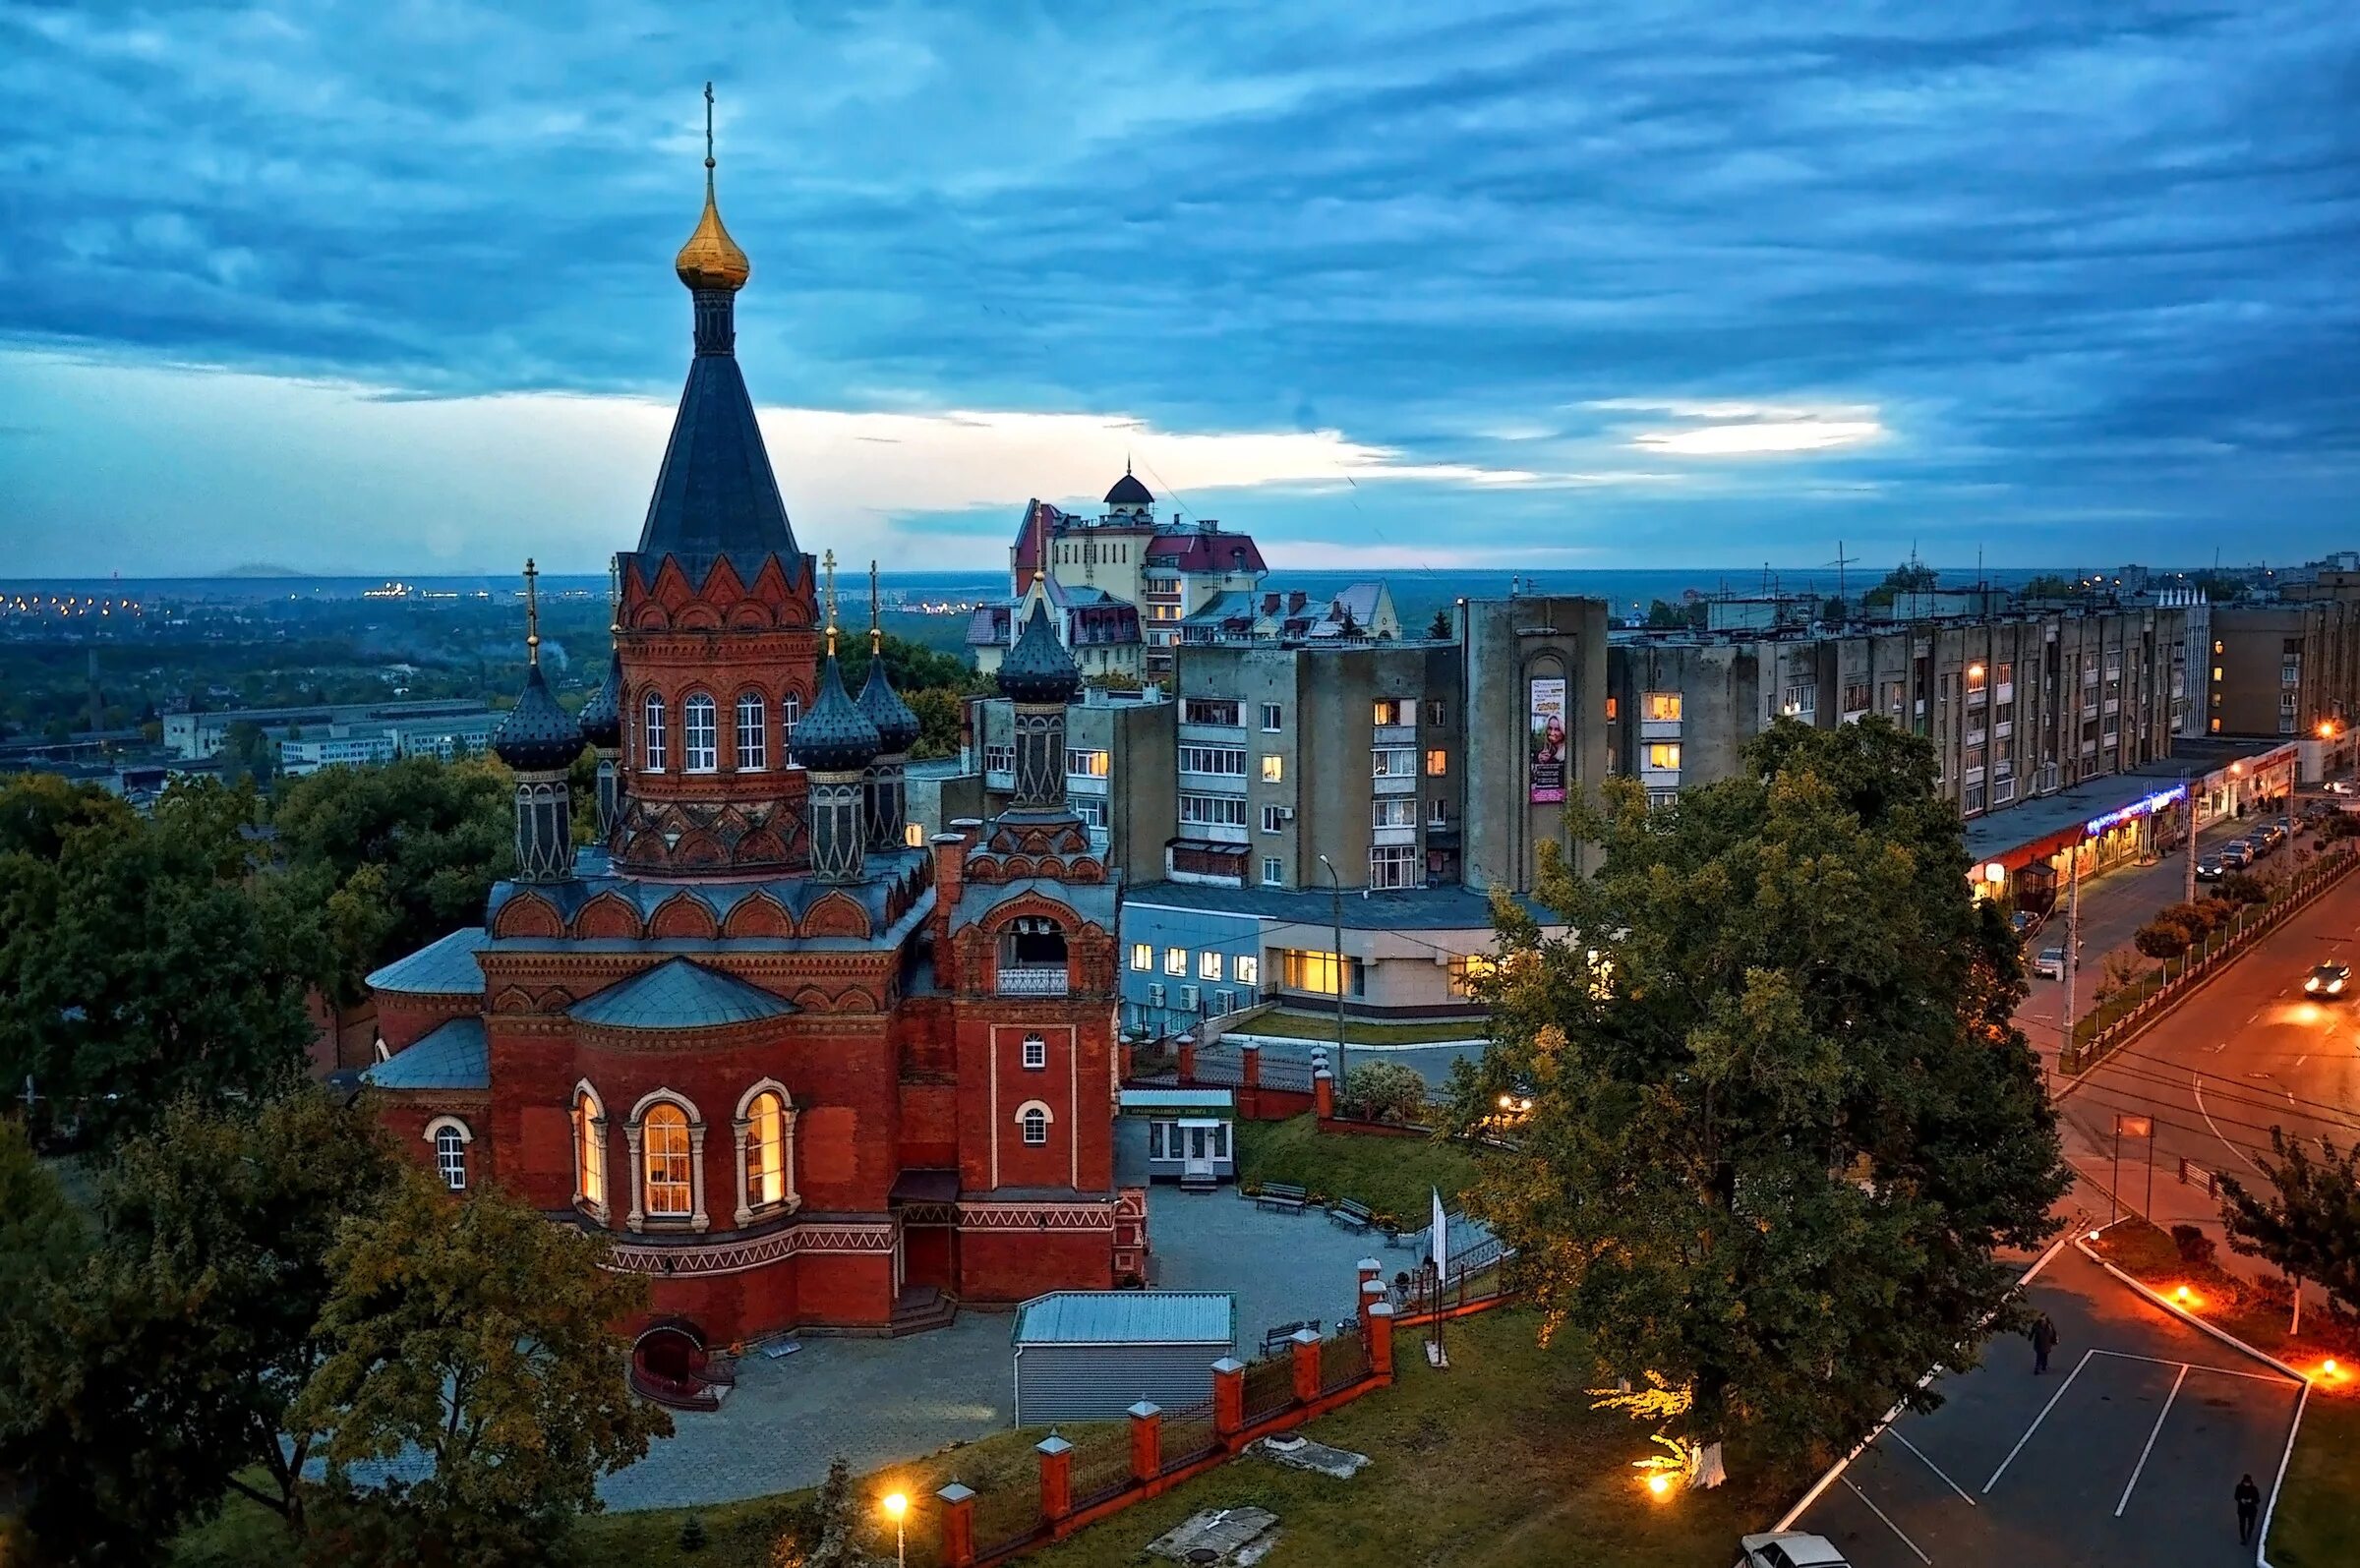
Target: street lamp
(896,1507)
(1335,892)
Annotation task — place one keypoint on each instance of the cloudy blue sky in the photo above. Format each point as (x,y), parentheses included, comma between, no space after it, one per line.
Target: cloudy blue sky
(386,287)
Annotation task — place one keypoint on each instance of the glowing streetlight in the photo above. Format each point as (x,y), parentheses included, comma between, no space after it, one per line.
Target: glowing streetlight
(2183,1296)
(1659,1484)
(896,1508)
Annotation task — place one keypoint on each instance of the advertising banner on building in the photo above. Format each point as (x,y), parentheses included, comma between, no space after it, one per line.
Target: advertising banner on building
(1547,713)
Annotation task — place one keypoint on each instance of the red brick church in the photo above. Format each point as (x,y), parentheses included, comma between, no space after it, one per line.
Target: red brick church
(806,1073)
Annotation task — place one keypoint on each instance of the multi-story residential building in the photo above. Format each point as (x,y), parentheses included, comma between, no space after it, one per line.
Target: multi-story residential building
(1535,741)
(1162,574)
(446,727)
(2017,704)
(2287,666)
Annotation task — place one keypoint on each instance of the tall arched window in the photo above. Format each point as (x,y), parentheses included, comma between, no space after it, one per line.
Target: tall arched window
(450,1155)
(753,732)
(790,713)
(664,1142)
(765,1151)
(590,1150)
(700,748)
(653,741)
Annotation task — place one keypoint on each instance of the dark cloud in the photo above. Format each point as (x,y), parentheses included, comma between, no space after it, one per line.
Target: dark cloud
(2080,260)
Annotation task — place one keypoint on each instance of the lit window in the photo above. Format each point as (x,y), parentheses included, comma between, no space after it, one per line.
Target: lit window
(753,734)
(765,1151)
(1612,708)
(1175,961)
(1664,755)
(664,1143)
(699,734)
(1389,711)
(450,1155)
(1142,956)
(1037,1053)
(1088,764)
(914,835)
(1659,707)
(1438,762)
(653,740)
(1247,970)
(1302,969)
(590,1150)
(1208,966)
(2216,676)
(1273,769)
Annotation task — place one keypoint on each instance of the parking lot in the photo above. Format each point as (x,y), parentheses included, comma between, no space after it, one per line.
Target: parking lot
(2127,1451)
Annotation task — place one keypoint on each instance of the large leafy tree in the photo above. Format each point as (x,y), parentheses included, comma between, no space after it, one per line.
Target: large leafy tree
(139,961)
(2307,1223)
(1781,1119)
(398,855)
(169,1351)
(479,1337)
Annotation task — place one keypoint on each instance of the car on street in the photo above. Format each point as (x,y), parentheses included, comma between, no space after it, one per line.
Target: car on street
(2237,854)
(2049,963)
(2327,979)
(2343,786)
(2210,869)
(2273,834)
(2027,923)
(1789,1548)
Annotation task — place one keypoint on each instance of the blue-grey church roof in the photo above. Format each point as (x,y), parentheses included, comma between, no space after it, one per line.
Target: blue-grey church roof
(444,968)
(835,736)
(714,494)
(897,727)
(679,994)
(537,735)
(1039,669)
(455,1055)
(602,715)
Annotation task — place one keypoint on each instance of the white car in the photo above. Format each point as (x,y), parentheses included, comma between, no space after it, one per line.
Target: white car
(1789,1548)
(2049,963)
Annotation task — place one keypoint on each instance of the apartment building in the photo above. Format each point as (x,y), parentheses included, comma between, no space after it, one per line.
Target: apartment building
(1536,739)
(2017,704)
(2287,666)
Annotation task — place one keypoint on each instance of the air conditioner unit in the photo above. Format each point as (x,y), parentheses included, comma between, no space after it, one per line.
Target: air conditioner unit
(1286,813)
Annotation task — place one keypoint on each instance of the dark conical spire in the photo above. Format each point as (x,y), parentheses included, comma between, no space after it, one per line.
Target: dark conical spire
(602,715)
(897,727)
(537,735)
(1039,669)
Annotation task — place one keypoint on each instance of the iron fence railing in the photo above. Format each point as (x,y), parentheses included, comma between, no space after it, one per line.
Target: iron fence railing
(1344,1360)
(1269,1387)
(1006,1516)
(1189,1435)
(1101,1464)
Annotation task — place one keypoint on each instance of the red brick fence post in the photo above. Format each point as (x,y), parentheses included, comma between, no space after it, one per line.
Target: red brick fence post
(1380,1339)
(1229,1397)
(958,1526)
(1147,1442)
(1056,1477)
(1307,1365)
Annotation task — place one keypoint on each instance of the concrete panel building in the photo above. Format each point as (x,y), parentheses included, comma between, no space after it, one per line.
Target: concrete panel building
(2285,668)
(1536,735)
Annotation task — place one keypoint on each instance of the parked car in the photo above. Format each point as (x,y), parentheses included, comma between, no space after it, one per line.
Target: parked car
(2210,869)
(2273,834)
(2237,854)
(2027,923)
(2049,963)
(2327,980)
(2343,786)
(1789,1548)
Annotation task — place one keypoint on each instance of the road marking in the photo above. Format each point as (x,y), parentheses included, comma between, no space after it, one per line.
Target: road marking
(1889,1525)
(2278,1378)
(2197,1080)
(2152,1434)
(2037,1420)
(1930,1465)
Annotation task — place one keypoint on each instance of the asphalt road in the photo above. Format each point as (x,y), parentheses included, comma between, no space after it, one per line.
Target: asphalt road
(2127,1451)
(2246,1054)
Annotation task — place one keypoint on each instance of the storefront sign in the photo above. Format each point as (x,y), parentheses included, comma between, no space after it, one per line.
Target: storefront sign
(2135,810)
(1546,712)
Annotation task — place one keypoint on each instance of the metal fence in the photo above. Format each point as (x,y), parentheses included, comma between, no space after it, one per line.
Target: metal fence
(1344,1360)
(1101,1464)
(1189,1435)
(1006,1516)
(1269,1387)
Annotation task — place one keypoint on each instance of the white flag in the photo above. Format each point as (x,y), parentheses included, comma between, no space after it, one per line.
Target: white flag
(1442,1235)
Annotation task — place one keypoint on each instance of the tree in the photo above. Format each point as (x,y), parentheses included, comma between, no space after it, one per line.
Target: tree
(2049,585)
(938,711)
(1439,628)
(829,1536)
(1385,1091)
(2308,1222)
(1912,576)
(1781,1115)
(2241,888)
(479,1336)
(2162,938)
(1664,617)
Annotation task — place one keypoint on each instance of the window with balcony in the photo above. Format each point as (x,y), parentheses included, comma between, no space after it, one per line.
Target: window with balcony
(1660,707)
(1212,811)
(1663,756)
(999,759)
(1224,762)
(1207,711)
(1031,958)
(1088,764)
(1394,811)
(1392,865)
(1393,762)
(1387,711)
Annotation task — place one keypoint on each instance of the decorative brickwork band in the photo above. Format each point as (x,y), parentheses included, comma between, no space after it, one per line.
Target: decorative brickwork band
(1039,758)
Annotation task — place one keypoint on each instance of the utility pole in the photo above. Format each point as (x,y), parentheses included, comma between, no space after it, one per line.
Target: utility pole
(1335,892)
(2073,945)
(2188,788)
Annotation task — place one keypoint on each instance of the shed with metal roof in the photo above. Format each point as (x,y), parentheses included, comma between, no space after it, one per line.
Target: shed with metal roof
(1091,1355)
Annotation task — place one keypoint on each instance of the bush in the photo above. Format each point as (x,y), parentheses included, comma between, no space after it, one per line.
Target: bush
(1385,1091)
(692,1534)
(2196,1249)
(2161,938)
(2241,887)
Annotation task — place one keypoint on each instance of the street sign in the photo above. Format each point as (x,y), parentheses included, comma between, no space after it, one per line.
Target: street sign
(2136,1126)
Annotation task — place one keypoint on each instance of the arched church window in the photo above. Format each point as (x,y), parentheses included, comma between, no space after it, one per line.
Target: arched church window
(790,713)
(753,732)
(1035,1122)
(590,1150)
(450,1155)
(700,739)
(663,1141)
(765,1151)
(654,741)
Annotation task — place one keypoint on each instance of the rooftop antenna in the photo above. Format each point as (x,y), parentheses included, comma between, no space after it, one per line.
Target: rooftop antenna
(532,614)
(1840,561)
(829,562)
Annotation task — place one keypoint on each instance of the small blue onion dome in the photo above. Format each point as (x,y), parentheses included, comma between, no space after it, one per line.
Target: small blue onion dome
(602,715)
(835,736)
(537,735)
(1039,669)
(897,727)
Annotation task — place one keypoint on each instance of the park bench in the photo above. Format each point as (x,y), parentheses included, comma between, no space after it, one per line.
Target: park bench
(1352,1214)
(1276,1337)
(1280,1195)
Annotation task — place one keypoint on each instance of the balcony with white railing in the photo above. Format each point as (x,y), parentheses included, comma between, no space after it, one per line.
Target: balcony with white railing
(1027,979)
(1031,958)
(2007,691)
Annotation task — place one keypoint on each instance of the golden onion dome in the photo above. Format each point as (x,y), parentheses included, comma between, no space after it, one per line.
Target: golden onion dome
(711,260)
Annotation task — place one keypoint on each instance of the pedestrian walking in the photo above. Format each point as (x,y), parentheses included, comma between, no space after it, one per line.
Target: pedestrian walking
(2044,1340)
(2249,1507)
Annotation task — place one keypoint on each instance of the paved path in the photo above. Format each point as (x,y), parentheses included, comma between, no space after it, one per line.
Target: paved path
(2125,1453)
(877,1400)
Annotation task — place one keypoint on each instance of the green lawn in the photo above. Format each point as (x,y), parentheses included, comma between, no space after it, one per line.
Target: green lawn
(2318,1522)
(1392,1175)
(1321,1026)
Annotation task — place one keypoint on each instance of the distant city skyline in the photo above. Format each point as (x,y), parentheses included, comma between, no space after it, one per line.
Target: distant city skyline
(1625,287)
